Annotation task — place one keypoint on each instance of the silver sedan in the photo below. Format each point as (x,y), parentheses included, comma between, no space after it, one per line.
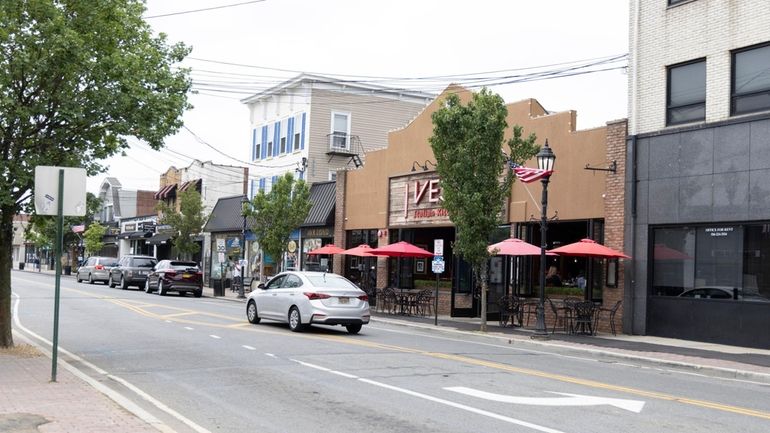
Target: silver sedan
(305,298)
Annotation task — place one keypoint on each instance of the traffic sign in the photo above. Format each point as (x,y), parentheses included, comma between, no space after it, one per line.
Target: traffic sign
(438,264)
(438,247)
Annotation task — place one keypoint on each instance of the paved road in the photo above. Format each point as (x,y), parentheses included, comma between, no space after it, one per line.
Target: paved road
(199,366)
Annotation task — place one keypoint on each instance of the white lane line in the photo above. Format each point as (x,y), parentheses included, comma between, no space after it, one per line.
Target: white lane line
(188,328)
(249,347)
(115,396)
(216,337)
(435,399)
(271,355)
(169,321)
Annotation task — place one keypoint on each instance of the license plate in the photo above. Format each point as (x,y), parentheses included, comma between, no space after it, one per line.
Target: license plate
(344,300)
(186,275)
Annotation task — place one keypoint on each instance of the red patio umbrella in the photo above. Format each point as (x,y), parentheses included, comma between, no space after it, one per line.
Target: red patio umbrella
(589,248)
(327,249)
(362,250)
(401,249)
(515,247)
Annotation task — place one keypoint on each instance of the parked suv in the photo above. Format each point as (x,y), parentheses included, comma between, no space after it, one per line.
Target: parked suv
(96,268)
(131,271)
(175,276)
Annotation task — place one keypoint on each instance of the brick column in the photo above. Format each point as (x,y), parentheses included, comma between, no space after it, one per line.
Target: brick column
(614,215)
(339,220)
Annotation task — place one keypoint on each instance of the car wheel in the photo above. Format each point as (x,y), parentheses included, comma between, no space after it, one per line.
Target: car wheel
(251,312)
(90,279)
(295,321)
(123,284)
(161,289)
(353,329)
(77,277)
(198,293)
(110,282)
(147,287)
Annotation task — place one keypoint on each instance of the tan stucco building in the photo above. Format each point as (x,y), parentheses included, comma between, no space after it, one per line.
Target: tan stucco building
(395,197)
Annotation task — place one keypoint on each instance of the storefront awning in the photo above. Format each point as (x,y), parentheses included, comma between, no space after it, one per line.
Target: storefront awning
(166,191)
(135,235)
(323,198)
(159,239)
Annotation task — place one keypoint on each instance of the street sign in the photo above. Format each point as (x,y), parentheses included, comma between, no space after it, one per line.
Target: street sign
(438,247)
(47,187)
(438,264)
(221,246)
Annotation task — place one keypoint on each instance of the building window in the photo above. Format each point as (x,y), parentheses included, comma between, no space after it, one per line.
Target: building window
(333,175)
(686,93)
(297,131)
(676,2)
(751,80)
(715,261)
(339,138)
(270,134)
(284,130)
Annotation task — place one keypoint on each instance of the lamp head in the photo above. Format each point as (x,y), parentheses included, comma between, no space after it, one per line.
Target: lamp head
(546,158)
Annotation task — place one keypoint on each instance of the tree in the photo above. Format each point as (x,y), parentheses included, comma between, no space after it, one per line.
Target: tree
(77,79)
(42,228)
(92,238)
(185,223)
(467,142)
(276,214)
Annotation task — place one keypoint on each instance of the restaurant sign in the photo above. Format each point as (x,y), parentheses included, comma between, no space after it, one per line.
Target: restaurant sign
(416,200)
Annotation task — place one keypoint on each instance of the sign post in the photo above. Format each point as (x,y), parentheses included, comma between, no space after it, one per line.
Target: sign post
(438,268)
(70,189)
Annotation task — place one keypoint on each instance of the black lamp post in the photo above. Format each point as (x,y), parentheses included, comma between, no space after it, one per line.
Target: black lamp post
(545,161)
(242,259)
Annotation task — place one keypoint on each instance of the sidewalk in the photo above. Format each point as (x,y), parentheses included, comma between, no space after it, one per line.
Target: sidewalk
(29,399)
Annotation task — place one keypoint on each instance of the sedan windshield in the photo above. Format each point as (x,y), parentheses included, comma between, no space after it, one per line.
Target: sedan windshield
(331,281)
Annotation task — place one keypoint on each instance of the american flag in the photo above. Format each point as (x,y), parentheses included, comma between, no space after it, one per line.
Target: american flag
(79,228)
(528,175)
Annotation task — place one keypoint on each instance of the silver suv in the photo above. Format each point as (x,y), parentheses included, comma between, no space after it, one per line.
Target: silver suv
(131,271)
(96,268)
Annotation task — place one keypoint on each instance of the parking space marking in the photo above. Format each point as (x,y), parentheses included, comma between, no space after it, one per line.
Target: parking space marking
(249,347)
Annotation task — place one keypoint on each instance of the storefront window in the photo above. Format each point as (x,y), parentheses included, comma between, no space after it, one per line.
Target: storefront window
(724,261)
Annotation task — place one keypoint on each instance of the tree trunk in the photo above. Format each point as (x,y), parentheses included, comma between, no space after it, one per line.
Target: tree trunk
(6,248)
(484,276)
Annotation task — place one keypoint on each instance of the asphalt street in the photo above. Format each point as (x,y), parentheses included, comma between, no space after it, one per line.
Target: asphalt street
(198,365)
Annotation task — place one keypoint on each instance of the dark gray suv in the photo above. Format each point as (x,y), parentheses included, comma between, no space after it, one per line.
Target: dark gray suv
(131,271)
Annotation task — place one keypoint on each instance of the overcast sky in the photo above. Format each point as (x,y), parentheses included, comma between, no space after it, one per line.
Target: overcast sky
(412,39)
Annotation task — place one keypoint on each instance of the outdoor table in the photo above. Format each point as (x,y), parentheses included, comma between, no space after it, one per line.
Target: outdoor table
(406,298)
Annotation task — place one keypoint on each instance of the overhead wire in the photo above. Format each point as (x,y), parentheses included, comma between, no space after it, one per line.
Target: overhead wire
(170,14)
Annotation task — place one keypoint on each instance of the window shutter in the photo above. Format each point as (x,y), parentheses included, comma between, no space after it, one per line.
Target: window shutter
(276,138)
(290,135)
(302,137)
(254,144)
(264,142)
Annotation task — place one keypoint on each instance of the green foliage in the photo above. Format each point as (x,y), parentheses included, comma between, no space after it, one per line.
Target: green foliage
(186,223)
(467,142)
(77,78)
(92,238)
(275,215)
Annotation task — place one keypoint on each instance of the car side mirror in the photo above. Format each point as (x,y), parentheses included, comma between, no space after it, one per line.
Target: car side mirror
(261,286)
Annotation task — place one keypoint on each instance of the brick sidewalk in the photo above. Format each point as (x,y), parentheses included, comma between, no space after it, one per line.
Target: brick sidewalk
(29,399)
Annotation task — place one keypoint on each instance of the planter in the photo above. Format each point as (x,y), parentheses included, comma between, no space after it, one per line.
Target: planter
(67,270)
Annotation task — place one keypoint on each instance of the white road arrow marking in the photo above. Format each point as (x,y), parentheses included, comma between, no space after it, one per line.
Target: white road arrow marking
(568,400)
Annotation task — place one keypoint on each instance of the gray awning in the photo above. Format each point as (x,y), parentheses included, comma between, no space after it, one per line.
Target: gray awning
(159,238)
(135,235)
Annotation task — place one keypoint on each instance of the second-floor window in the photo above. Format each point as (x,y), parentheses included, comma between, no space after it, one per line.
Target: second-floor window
(284,130)
(297,132)
(686,101)
(340,131)
(751,80)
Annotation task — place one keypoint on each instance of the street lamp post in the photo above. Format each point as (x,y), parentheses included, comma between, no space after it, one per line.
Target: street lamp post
(242,259)
(545,161)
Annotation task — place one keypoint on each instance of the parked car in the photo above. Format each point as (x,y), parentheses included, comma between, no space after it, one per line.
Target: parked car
(131,271)
(302,299)
(96,268)
(175,276)
(722,292)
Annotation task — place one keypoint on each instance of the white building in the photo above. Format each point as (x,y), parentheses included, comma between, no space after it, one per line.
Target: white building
(313,126)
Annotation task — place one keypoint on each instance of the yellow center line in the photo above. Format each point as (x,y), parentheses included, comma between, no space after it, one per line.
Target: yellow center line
(139,308)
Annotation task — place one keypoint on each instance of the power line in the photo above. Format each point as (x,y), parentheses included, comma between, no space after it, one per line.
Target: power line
(204,9)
